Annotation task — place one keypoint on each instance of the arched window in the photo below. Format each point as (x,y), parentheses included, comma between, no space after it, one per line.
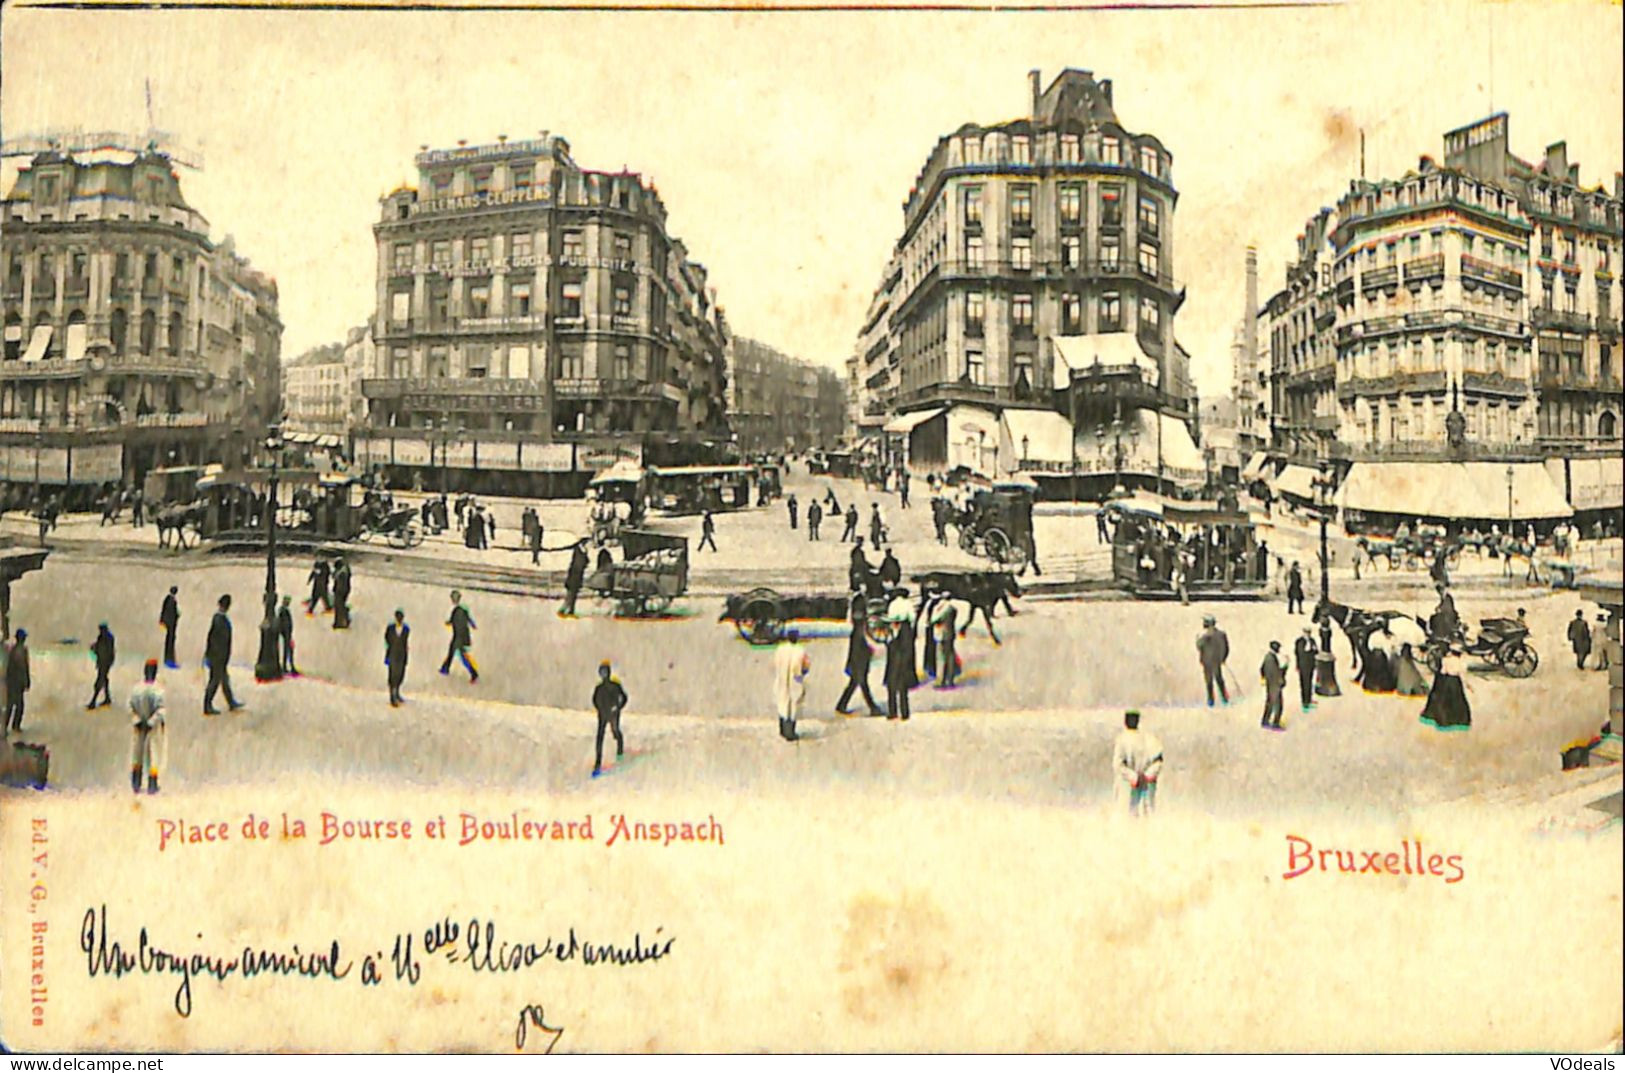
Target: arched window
(149,332)
(118,330)
(174,333)
(1607,426)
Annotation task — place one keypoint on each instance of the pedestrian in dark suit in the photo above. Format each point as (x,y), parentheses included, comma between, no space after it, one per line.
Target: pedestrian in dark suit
(462,638)
(574,576)
(341,594)
(860,571)
(1580,638)
(902,674)
(217,657)
(708,532)
(815,515)
(608,700)
(851,530)
(858,659)
(891,571)
(169,617)
(1213,648)
(1304,652)
(320,573)
(1274,676)
(103,649)
(792,506)
(1294,591)
(397,649)
(284,635)
(18,682)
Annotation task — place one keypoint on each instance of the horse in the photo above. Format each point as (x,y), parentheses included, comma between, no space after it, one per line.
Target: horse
(176,519)
(1359,625)
(983,590)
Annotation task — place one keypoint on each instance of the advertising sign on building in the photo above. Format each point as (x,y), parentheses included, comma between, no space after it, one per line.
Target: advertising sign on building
(499,455)
(411,452)
(546,457)
(98,464)
(53,465)
(457,454)
(592,457)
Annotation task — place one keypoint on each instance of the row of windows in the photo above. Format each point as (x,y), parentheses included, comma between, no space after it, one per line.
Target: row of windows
(572,243)
(78,266)
(1068,204)
(1113,151)
(477,301)
(1108,248)
(1109,313)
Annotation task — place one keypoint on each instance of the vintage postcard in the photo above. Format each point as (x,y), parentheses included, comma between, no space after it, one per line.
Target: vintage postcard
(707,529)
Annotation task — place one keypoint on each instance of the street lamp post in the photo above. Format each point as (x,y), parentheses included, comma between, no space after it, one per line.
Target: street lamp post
(1115,432)
(1325,662)
(1072,407)
(268,667)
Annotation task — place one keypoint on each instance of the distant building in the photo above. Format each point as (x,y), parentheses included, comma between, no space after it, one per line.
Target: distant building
(132,340)
(527,307)
(778,403)
(315,391)
(1464,314)
(1025,321)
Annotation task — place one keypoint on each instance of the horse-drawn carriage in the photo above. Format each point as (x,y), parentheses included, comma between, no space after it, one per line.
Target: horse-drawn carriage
(653,574)
(1412,551)
(1501,641)
(620,500)
(997,523)
(1159,544)
(401,527)
(762,615)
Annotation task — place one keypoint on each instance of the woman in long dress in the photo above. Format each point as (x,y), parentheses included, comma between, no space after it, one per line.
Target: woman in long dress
(1408,680)
(1447,707)
(1377,674)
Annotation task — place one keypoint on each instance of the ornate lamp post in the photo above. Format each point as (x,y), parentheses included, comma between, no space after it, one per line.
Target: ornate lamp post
(1325,662)
(268,667)
(1113,435)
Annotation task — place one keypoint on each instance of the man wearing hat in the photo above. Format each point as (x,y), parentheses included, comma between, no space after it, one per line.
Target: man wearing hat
(1136,763)
(217,657)
(1601,644)
(169,617)
(791,666)
(397,640)
(149,736)
(1304,652)
(608,700)
(284,635)
(1213,648)
(104,649)
(1580,638)
(1274,675)
(18,682)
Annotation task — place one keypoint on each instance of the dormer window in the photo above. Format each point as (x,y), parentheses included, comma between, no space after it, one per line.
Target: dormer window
(1111,151)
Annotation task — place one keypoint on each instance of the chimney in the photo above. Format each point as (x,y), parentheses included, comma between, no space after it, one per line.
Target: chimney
(1106,89)
(1034,80)
(1249,331)
(1557,160)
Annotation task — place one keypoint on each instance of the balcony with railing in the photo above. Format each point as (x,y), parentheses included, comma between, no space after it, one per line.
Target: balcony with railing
(1560,319)
(611,388)
(1495,383)
(1489,322)
(1375,278)
(1476,268)
(1429,266)
(1394,384)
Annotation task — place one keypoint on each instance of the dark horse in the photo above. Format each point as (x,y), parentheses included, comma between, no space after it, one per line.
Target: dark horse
(1360,625)
(984,590)
(176,519)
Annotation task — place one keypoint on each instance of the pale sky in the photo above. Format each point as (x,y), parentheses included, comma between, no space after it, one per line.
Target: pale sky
(784,144)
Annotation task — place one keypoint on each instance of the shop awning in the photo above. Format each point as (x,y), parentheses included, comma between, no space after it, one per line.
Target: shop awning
(75,349)
(903,424)
(327,440)
(1039,436)
(38,343)
(1075,353)
(1256,465)
(1474,491)
(1593,483)
(1297,481)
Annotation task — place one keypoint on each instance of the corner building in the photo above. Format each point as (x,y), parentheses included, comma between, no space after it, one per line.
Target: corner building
(132,341)
(535,321)
(1032,297)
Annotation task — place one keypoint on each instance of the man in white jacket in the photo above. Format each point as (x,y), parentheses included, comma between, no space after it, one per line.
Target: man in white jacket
(790,667)
(149,744)
(1136,763)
